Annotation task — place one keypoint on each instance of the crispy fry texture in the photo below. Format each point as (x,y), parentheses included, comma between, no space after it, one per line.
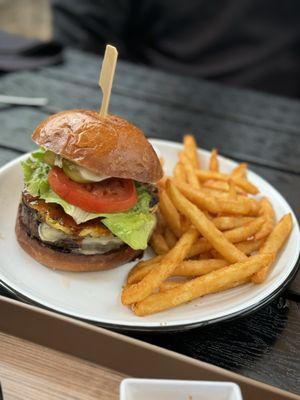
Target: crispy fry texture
(205,226)
(190,148)
(273,245)
(212,282)
(190,173)
(160,272)
(213,234)
(213,162)
(268,213)
(170,214)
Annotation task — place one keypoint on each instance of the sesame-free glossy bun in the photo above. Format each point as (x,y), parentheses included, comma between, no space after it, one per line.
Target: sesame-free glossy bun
(108,146)
(69,261)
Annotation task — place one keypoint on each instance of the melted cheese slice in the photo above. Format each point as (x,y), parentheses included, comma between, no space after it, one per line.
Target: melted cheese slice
(54,216)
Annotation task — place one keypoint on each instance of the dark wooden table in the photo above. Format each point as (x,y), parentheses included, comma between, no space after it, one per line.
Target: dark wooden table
(260,129)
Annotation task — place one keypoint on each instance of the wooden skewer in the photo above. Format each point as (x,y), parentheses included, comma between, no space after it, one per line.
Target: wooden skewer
(107,76)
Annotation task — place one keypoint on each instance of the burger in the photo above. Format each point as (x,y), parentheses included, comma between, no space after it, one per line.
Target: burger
(89,198)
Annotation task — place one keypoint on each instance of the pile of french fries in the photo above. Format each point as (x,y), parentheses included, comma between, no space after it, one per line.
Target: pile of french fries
(212,234)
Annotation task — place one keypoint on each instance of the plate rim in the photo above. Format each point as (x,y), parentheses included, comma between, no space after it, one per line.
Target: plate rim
(171,328)
(177,325)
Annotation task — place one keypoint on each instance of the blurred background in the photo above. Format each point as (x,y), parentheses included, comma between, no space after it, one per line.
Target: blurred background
(31,18)
(243,43)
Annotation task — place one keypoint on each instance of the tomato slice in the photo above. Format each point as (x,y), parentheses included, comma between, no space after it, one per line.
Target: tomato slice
(108,196)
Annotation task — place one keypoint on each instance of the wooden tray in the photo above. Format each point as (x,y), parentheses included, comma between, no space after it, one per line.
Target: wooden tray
(31,371)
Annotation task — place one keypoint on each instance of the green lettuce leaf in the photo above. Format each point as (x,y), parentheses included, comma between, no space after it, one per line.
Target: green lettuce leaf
(134,227)
(36,173)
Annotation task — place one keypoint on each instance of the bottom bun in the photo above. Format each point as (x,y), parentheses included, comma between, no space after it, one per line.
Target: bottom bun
(70,261)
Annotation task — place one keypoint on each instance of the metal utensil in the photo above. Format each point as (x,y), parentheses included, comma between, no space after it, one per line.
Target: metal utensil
(23,101)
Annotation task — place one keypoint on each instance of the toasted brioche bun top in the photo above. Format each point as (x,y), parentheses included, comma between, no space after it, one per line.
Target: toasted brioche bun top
(108,146)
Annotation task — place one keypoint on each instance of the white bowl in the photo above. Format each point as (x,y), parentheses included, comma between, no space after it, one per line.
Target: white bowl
(162,389)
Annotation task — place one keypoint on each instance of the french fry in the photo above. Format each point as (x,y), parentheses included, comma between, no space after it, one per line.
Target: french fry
(185,223)
(225,223)
(241,206)
(196,196)
(273,244)
(214,192)
(199,267)
(160,272)
(240,171)
(245,231)
(141,269)
(179,172)
(189,170)
(232,193)
(200,247)
(210,283)
(241,182)
(235,235)
(205,226)
(158,243)
(249,246)
(167,285)
(190,148)
(162,182)
(170,238)
(245,185)
(185,268)
(208,225)
(207,255)
(268,213)
(161,223)
(213,161)
(169,213)
(222,195)
(220,186)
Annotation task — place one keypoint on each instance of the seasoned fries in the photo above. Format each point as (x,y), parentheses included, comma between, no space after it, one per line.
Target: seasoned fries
(189,171)
(139,291)
(213,162)
(273,244)
(185,268)
(170,238)
(225,223)
(220,186)
(268,213)
(205,226)
(159,243)
(240,171)
(190,148)
(170,213)
(250,246)
(212,235)
(245,231)
(210,283)
(242,206)
(179,172)
(241,182)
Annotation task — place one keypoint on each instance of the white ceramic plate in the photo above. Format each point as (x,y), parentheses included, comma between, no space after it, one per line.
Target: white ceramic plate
(95,296)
